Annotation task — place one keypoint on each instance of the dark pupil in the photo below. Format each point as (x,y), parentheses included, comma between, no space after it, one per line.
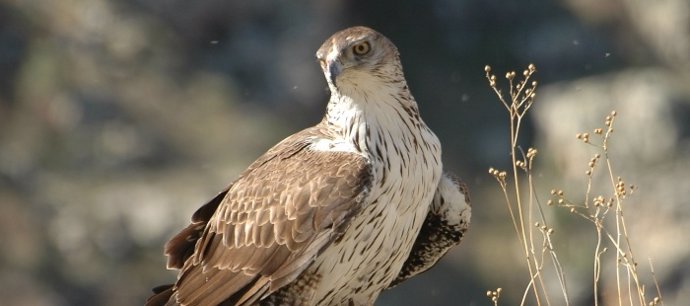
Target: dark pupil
(361,48)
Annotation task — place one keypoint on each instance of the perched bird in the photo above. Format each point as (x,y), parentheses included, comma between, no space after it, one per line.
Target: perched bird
(335,213)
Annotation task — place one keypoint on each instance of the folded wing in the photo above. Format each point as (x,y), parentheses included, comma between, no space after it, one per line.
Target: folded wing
(269,225)
(445,225)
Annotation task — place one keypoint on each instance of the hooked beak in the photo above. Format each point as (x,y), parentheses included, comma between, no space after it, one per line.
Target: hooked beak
(333,69)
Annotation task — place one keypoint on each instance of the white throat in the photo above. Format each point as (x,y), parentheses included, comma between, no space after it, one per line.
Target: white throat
(371,111)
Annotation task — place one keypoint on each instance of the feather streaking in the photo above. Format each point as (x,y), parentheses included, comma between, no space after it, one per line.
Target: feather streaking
(336,213)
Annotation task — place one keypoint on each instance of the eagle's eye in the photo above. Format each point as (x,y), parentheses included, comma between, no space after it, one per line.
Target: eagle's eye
(361,48)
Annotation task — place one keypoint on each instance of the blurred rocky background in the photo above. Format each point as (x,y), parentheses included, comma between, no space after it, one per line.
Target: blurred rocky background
(119,118)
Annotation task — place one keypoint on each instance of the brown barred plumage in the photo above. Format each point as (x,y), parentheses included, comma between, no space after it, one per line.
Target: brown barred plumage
(336,213)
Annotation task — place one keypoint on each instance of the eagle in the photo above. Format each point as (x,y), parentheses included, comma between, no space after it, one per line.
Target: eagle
(333,214)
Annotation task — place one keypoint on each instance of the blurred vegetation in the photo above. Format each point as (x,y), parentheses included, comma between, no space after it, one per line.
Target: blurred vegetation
(119,118)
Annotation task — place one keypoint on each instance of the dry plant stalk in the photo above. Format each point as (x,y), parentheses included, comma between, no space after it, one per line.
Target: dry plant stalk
(494,295)
(595,209)
(525,211)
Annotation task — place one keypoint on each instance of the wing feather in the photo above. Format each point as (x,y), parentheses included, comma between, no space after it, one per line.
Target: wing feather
(181,246)
(272,222)
(444,227)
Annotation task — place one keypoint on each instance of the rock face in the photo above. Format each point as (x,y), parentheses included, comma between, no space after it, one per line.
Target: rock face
(650,148)
(652,127)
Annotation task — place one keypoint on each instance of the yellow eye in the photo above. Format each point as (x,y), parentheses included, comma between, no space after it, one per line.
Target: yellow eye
(361,48)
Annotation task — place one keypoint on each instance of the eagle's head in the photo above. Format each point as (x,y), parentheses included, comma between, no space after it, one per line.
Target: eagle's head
(357,57)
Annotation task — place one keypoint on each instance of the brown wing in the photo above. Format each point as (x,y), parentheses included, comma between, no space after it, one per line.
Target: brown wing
(181,246)
(273,221)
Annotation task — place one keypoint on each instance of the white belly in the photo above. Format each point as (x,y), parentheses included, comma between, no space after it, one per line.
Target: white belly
(373,249)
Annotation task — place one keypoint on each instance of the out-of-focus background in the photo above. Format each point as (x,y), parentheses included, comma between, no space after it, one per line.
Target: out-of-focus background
(119,118)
